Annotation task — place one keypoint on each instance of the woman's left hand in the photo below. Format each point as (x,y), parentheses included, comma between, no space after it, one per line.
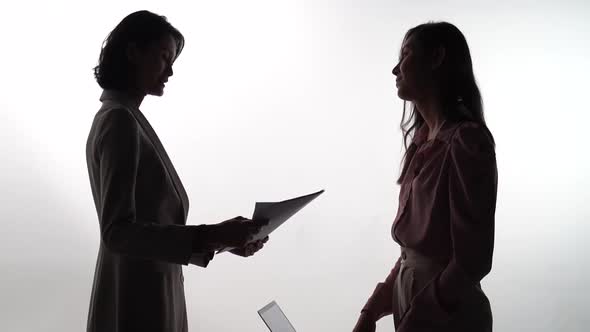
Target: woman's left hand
(250,249)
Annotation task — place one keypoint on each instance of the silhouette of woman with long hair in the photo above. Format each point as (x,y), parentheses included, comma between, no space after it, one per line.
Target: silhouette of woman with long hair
(141,203)
(447,200)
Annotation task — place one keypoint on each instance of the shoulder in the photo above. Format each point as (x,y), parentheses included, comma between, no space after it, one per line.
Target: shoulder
(115,117)
(472,138)
(115,125)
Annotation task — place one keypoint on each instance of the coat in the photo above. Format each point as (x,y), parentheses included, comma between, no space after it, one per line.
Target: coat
(142,208)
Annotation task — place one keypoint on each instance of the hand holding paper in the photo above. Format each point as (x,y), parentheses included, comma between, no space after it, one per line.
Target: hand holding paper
(250,249)
(277,213)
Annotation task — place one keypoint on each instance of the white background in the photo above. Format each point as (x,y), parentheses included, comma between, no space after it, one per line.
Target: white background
(278,98)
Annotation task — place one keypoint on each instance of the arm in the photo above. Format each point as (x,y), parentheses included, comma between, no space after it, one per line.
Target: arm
(117,151)
(380,304)
(472,177)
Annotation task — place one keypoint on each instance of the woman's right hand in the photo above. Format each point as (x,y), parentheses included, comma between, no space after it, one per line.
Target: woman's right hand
(236,232)
(365,323)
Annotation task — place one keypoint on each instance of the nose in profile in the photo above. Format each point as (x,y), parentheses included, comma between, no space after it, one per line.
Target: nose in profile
(395,70)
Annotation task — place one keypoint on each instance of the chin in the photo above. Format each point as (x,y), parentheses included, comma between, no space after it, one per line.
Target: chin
(404,94)
(401,94)
(158,92)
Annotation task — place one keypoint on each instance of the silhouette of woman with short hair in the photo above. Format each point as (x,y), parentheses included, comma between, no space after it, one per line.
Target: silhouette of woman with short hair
(447,200)
(141,203)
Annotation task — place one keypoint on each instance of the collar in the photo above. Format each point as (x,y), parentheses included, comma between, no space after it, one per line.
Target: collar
(421,135)
(443,134)
(119,96)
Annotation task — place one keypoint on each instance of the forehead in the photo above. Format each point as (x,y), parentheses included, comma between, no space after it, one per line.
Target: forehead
(409,43)
(166,43)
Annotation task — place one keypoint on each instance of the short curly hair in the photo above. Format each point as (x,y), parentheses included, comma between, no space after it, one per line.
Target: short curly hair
(142,28)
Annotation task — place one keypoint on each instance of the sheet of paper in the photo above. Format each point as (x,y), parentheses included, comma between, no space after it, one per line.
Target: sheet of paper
(277,213)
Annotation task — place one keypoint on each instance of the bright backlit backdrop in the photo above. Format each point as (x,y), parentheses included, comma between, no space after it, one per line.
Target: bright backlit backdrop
(273,99)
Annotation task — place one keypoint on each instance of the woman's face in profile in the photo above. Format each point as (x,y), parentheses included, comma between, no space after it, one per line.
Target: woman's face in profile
(411,72)
(154,65)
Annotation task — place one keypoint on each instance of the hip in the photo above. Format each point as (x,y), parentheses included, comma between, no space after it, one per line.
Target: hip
(472,312)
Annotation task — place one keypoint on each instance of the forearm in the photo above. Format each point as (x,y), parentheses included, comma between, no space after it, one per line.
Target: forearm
(169,243)
(463,273)
(205,238)
(379,303)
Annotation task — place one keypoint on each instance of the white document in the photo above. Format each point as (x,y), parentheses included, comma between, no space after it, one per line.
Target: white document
(277,213)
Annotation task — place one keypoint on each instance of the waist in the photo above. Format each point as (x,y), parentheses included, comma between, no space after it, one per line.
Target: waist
(413,258)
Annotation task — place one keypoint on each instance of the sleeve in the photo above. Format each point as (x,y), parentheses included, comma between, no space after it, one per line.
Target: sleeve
(201,259)
(472,177)
(380,303)
(118,157)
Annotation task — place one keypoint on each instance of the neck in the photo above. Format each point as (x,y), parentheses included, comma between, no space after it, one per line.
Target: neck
(135,96)
(431,111)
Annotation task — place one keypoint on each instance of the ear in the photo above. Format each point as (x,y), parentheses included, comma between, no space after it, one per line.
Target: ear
(438,57)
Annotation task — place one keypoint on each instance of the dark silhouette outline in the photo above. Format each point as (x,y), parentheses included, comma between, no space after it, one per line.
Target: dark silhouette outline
(445,219)
(141,204)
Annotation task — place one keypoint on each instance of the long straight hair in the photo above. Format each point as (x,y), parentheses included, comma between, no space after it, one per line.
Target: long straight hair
(458,89)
